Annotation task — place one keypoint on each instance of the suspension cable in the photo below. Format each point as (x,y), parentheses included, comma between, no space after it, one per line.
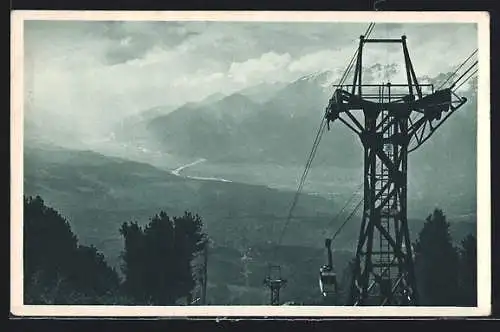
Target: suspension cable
(465,73)
(465,81)
(459,67)
(347,219)
(314,149)
(452,86)
(351,63)
(355,192)
(302,180)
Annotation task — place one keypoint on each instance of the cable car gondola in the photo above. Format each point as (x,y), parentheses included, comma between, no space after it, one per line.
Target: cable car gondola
(327,275)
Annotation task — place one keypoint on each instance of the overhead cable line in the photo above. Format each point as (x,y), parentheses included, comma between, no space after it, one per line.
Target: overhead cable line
(356,191)
(458,68)
(347,220)
(452,85)
(315,146)
(461,76)
(465,81)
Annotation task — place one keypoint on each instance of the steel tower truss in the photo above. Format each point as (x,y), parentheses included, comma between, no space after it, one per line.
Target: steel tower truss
(274,282)
(391,120)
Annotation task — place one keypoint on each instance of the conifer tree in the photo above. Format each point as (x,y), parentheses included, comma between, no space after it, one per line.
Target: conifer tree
(436,261)
(58,270)
(157,259)
(468,271)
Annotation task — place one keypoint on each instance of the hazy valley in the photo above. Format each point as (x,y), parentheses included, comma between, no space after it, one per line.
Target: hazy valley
(238,160)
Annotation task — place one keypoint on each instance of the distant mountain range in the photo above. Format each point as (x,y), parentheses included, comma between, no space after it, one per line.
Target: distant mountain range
(280,128)
(269,122)
(265,123)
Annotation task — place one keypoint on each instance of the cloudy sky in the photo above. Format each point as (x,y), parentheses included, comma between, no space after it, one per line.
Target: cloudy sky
(91,74)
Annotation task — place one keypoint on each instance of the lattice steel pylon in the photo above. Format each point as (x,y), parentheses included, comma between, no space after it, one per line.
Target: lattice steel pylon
(274,282)
(387,117)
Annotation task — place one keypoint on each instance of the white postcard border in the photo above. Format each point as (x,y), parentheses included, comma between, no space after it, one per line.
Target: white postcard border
(483,166)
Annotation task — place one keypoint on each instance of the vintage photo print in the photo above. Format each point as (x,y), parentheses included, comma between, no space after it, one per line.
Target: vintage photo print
(309,164)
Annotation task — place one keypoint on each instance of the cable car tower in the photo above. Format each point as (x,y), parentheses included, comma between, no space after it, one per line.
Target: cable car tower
(391,120)
(274,282)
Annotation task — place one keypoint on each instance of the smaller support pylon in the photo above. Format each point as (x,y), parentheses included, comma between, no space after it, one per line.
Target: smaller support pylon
(274,282)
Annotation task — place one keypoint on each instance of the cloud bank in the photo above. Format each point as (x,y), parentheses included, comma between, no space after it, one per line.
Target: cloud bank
(86,76)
